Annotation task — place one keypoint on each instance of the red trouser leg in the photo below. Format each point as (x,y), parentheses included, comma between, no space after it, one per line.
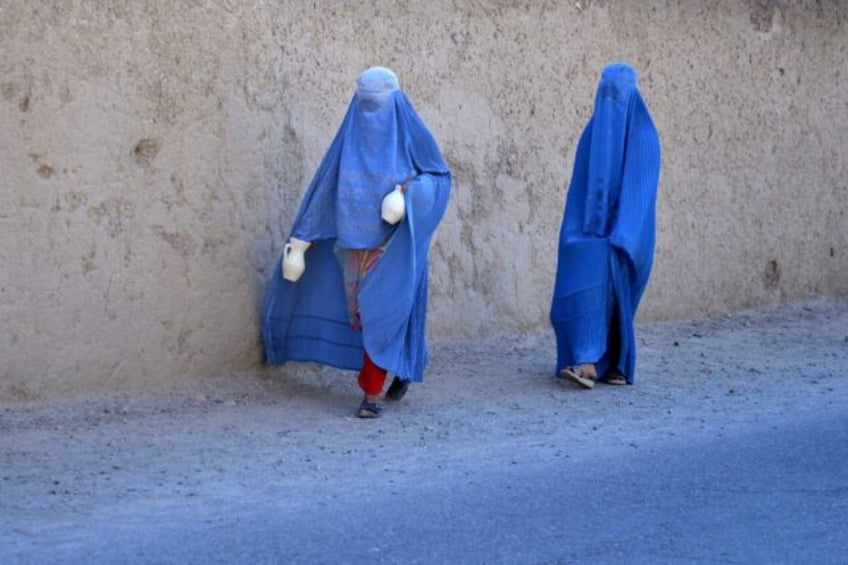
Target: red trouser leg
(371,377)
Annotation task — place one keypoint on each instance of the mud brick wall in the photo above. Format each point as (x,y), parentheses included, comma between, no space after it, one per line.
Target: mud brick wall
(153,154)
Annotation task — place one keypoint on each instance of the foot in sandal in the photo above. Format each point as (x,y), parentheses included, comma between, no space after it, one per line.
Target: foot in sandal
(370,407)
(614,377)
(583,375)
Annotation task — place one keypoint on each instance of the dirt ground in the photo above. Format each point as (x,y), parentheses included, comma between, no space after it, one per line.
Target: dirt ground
(292,430)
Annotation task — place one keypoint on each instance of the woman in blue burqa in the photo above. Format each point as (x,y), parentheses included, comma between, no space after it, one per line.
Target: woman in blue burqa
(361,300)
(606,242)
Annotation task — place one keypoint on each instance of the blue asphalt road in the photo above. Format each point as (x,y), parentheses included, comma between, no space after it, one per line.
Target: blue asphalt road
(773,493)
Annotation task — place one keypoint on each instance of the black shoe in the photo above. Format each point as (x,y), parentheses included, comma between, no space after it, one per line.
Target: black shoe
(397,389)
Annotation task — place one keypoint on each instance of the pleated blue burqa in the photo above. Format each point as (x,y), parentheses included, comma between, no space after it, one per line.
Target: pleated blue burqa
(381,142)
(606,242)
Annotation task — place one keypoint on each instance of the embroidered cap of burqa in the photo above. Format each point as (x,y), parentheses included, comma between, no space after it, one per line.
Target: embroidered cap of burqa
(381,142)
(606,242)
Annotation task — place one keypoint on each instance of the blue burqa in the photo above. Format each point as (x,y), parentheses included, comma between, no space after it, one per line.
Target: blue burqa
(606,242)
(381,142)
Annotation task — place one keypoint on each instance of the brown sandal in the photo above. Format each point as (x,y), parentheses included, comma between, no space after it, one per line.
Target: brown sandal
(615,378)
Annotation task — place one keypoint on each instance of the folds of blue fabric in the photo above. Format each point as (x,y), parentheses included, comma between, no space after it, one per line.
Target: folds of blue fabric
(582,305)
(345,161)
(308,320)
(634,233)
(590,311)
(393,297)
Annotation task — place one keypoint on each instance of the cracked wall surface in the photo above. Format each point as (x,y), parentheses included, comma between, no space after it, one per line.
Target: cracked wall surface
(153,156)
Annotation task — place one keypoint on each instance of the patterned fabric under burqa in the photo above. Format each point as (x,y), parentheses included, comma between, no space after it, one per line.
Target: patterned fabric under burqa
(381,142)
(606,242)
